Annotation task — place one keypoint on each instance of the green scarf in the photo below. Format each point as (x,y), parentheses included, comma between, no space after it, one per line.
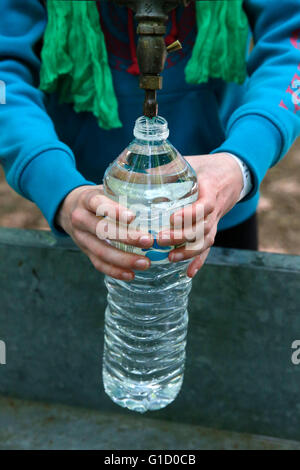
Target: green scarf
(75,61)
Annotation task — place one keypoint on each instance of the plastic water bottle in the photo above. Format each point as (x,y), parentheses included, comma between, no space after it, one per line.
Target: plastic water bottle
(146,319)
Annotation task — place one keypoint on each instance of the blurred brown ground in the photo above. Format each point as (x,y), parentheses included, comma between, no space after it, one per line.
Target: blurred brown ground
(279,209)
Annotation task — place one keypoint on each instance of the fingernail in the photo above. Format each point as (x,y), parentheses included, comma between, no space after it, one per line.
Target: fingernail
(141,264)
(177,257)
(145,240)
(127,276)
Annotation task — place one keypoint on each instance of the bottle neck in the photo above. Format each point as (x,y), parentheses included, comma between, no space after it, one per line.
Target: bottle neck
(151,131)
(150,143)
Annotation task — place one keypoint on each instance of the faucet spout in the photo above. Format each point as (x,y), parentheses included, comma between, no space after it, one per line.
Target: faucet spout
(152,16)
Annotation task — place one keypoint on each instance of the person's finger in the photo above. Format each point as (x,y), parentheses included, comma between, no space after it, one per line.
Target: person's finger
(182,235)
(193,213)
(101,205)
(105,228)
(198,210)
(110,270)
(111,255)
(84,220)
(197,263)
(190,250)
(209,222)
(189,234)
(108,229)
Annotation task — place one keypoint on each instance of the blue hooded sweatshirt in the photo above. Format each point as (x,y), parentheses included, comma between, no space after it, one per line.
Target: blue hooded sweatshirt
(47,149)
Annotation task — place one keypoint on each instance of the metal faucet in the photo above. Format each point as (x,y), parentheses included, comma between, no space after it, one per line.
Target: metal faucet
(152,16)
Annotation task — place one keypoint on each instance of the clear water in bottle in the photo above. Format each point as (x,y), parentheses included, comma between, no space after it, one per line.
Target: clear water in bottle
(146,319)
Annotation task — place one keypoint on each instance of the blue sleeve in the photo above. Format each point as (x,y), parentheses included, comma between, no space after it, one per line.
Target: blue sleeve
(264,127)
(37,165)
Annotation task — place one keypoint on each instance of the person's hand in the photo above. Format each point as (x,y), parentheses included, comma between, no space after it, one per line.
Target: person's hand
(77,216)
(220,183)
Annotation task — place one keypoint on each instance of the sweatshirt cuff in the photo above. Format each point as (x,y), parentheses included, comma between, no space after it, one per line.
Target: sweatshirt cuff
(48,179)
(256,141)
